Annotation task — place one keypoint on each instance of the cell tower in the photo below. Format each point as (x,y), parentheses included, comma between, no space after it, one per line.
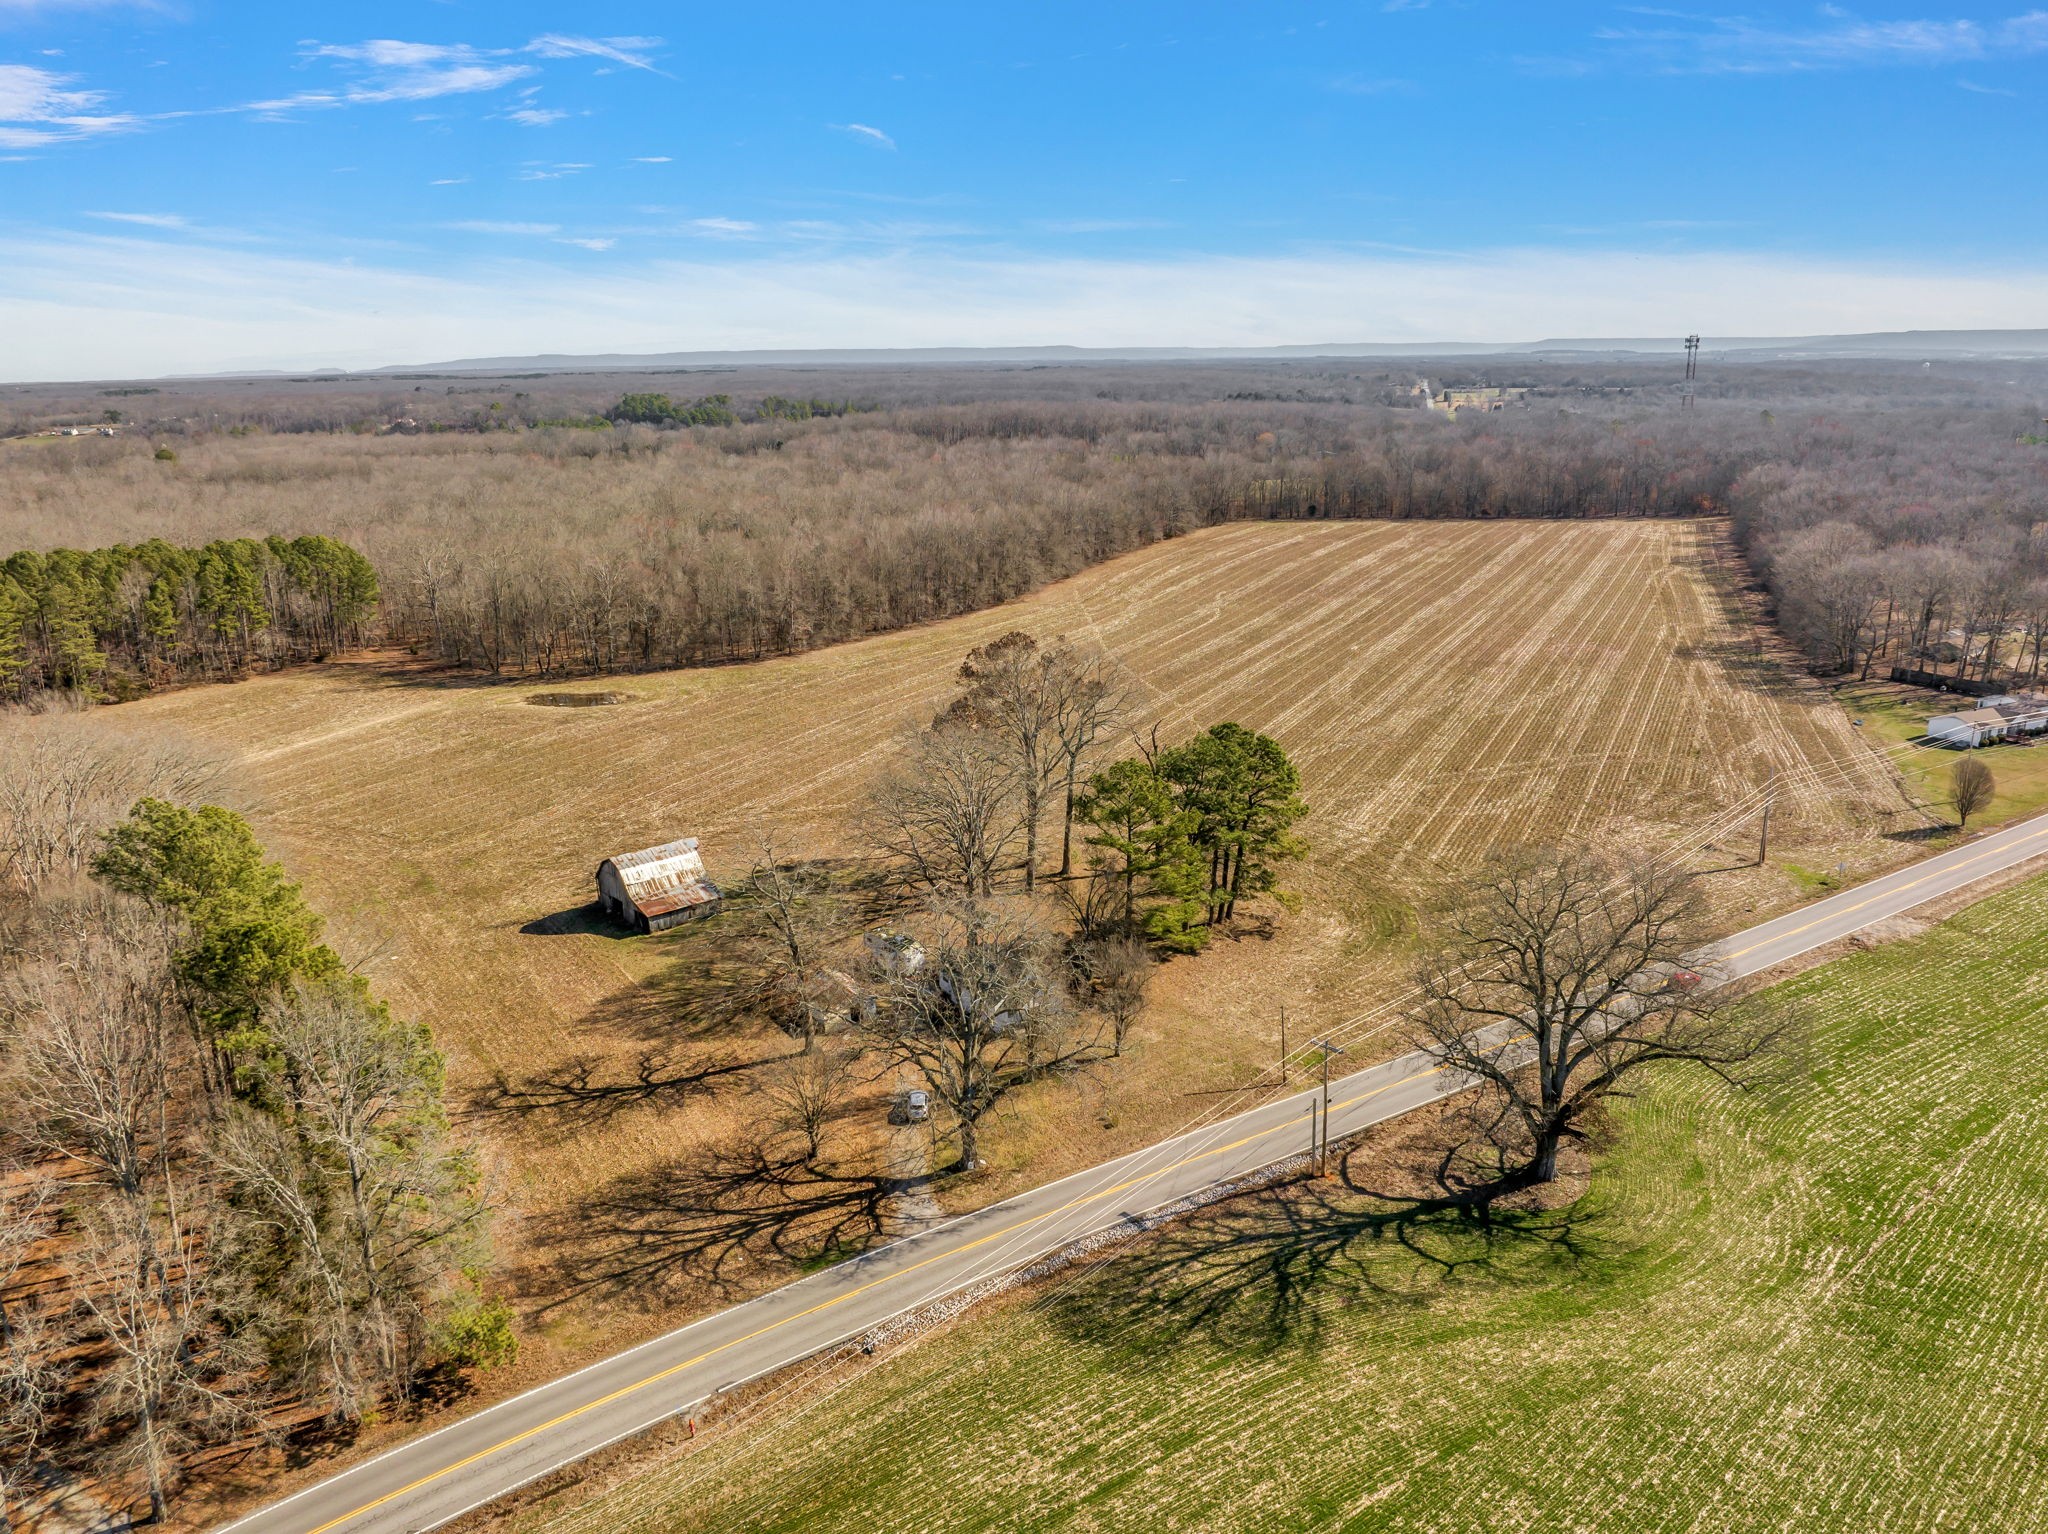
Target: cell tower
(1692,368)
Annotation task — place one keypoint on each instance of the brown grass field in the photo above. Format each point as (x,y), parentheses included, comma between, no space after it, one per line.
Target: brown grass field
(1445,687)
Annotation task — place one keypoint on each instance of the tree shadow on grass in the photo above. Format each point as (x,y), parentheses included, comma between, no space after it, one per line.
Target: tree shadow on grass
(588,1090)
(1919,834)
(1263,1271)
(709,1221)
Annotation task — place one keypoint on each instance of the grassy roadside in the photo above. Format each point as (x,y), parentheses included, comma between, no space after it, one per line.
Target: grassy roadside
(1819,1309)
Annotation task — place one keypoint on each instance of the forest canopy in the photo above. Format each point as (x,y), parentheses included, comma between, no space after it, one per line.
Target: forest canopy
(117,621)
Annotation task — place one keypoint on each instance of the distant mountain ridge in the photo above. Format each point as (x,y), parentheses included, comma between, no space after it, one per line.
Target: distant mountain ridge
(1896,344)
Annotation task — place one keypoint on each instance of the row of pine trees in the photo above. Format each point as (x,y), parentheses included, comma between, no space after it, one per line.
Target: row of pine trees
(116,622)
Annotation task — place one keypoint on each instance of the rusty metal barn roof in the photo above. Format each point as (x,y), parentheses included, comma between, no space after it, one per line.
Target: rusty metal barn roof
(667,878)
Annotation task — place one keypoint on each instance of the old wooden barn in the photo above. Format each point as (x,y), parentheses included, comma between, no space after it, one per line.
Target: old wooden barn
(657,887)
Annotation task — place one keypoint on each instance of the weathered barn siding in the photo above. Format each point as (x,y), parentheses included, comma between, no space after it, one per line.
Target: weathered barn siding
(658,887)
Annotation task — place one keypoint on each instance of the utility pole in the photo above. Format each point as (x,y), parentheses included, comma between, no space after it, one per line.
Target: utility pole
(1323,1147)
(1283,1046)
(1763,840)
(1692,369)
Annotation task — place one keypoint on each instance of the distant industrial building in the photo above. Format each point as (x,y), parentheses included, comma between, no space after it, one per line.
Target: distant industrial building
(1451,401)
(657,888)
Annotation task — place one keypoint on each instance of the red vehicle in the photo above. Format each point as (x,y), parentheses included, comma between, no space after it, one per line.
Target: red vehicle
(1684,980)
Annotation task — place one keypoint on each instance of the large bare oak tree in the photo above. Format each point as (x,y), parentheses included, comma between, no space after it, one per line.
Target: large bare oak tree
(1560,977)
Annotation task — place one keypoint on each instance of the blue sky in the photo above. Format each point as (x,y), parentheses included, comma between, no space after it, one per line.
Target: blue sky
(193,184)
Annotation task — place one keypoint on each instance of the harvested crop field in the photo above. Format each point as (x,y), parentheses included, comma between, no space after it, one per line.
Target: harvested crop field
(1444,687)
(1822,1308)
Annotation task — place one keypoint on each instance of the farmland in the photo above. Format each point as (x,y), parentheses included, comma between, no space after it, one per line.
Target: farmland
(1444,687)
(1818,1308)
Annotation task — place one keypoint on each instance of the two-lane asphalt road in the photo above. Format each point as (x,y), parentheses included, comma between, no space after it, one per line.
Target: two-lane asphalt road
(432,1479)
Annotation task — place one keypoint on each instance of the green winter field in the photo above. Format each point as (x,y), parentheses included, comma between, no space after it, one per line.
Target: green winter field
(1825,1308)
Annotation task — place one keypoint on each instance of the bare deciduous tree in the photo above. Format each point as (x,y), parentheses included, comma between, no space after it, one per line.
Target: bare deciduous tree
(951,810)
(172,1381)
(65,777)
(1048,706)
(981,1012)
(30,1375)
(807,1091)
(1119,972)
(100,1034)
(1093,699)
(1970,787)
(791,894)
(1010,699)
(397,1207)
(1562,975)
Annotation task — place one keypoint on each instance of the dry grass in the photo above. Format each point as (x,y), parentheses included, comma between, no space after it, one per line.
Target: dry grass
(1818,1308)
(1444,686)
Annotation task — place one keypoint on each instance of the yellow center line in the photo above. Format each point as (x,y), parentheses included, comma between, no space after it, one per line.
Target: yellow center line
(840,1299)
(689,1363)
(1900,889)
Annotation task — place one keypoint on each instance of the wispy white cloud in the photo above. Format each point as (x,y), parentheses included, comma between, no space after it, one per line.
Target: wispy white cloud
(1740,45)
(1984,90)
(539,171)
(40,107)
(148,220)
(588,242)
(500,226)
(536,117)
(873,136)
(389,69)
(634,52)
(450,181)
(723,226)
(127,305)
(1097,225)
(652,159)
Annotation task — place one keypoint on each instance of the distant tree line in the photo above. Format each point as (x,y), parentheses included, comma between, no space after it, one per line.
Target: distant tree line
(878,525)
(231,1203)
(117,621)
(1884,535)
(1884,546)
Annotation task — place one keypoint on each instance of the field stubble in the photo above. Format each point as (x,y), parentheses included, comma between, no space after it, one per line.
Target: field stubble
(1445,687)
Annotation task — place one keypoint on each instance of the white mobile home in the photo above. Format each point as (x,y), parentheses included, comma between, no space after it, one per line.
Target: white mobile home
(1974,727)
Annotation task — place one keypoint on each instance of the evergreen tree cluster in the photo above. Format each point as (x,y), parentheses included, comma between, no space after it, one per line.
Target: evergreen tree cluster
(660,410)
(118,621)
(1186,834)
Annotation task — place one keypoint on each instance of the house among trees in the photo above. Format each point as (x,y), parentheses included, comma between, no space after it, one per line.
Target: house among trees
(658,888)
(1996,718)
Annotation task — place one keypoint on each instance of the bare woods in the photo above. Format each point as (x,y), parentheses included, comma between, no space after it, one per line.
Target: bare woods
(556,551)
(1894,516)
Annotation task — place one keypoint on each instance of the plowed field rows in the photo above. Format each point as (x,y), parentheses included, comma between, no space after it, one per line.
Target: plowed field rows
(1443,686)
(1821,1309)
